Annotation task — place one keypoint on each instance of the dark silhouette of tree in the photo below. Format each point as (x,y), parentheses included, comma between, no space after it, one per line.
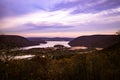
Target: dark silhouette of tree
(118,32)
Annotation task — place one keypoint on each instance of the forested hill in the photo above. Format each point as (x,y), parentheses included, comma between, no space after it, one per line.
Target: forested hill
(8,41)
(114,47)
(101,41)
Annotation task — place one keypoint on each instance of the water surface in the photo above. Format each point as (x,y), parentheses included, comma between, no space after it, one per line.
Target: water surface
(49,44)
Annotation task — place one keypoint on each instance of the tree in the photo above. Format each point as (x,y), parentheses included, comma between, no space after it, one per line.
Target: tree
(118,32)
(59,46)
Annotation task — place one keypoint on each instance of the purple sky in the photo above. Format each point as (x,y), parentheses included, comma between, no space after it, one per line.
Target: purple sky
(59,18)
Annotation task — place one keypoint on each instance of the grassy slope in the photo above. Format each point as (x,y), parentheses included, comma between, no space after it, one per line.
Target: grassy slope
(65,65)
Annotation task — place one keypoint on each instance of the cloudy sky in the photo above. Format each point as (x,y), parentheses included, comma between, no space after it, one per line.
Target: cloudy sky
(59,18)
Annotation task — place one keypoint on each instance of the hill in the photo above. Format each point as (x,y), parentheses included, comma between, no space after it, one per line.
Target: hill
(8,41)
(99,41)
(113,47)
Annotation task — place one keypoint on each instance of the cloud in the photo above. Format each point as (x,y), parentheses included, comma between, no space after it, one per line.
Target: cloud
(21,7)
(88,6)
(41,17)
(59,16)
(14,7)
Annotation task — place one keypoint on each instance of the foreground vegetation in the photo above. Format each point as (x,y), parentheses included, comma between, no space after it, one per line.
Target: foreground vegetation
(63,64)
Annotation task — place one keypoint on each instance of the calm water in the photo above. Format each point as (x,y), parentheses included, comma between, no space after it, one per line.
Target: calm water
(49,44)
(24,56)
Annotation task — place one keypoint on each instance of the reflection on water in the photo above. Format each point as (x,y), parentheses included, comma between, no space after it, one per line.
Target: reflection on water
(49,44)
(24,56)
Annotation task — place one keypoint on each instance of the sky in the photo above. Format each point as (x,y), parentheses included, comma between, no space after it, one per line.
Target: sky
(59,18)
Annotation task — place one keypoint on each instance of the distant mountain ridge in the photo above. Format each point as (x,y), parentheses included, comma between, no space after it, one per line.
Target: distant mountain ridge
(49,39)
(100,41)
(7,41)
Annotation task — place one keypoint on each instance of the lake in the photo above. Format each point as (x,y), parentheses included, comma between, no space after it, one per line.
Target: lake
(48,44)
